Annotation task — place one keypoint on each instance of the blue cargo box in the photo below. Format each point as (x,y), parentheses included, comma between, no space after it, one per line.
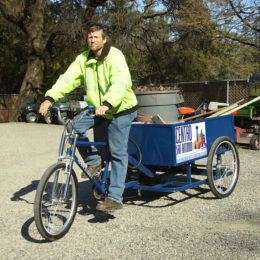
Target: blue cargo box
(176,144)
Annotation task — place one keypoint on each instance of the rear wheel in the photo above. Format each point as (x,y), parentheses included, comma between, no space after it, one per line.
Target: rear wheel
(31,117)
(48,118)
(222,167)
(55,208)
(254,142)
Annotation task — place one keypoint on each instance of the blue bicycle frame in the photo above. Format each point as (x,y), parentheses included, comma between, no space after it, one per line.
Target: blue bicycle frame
(72,141)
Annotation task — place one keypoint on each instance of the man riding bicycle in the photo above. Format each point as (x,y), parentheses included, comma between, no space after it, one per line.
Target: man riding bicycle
(105,74)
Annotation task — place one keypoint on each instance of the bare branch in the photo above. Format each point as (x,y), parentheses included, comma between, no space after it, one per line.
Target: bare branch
(155,15)
(244,21)
(237,39)
(15,18)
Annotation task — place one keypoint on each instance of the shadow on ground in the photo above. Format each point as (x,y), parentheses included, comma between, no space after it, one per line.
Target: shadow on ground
(87,204)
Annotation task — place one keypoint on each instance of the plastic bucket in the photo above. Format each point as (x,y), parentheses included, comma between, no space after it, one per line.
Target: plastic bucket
(163,103)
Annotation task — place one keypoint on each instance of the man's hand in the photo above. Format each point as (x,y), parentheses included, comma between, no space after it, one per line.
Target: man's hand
(44,107)
(101,111)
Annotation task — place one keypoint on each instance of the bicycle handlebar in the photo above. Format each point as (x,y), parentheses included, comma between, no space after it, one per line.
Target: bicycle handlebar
(89,110)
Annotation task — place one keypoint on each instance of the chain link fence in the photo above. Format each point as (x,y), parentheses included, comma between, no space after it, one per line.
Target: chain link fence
(7,102)
(224,91)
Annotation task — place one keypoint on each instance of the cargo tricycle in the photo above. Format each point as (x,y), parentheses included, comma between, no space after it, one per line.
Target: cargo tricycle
(162,158)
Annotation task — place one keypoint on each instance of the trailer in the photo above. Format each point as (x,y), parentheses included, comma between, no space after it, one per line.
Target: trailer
(164,156)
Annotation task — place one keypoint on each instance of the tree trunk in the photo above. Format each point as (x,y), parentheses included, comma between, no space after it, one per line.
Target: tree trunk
(31,83)
(36,59)
(28,16)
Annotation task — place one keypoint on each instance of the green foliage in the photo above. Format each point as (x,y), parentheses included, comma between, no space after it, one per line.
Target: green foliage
(13,59)
(180,41)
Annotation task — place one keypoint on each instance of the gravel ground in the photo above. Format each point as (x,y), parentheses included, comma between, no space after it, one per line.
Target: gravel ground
(185,225)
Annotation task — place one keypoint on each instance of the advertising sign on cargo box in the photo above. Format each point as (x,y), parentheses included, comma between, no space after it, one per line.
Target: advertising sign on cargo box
(190,141)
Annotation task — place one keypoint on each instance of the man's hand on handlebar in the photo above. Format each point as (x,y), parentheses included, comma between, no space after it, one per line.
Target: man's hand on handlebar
(101,111)
(44,107)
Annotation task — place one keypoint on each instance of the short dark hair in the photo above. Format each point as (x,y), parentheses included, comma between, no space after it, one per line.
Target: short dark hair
(96,27)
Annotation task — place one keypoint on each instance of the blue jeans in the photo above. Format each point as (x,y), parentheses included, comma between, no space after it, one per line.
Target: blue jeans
(118,133)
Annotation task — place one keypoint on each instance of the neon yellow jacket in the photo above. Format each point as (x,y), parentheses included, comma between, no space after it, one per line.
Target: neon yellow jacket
(107,80)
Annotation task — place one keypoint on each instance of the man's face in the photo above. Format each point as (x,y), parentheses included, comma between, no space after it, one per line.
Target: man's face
(95,41)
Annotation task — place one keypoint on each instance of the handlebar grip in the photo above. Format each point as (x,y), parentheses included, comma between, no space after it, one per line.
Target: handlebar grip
(51,107)
(89,110)
(57,110)
(92,109)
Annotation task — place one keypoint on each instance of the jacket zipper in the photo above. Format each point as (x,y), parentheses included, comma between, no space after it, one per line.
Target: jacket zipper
(98,84)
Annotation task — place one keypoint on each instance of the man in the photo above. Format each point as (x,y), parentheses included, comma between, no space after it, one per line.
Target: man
(104,72)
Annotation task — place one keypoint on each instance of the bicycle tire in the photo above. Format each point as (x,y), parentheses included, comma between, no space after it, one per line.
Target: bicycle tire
(53,214)
(222,167)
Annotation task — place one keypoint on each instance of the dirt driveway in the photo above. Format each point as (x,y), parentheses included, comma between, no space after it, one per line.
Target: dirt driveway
(187,225)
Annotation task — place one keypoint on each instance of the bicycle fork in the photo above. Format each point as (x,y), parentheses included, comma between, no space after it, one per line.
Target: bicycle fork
(67,147)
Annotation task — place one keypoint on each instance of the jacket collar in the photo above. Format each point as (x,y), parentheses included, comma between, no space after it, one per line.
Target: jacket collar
(103,55)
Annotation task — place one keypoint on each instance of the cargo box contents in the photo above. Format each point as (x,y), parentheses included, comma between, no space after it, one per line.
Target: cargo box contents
(162,107)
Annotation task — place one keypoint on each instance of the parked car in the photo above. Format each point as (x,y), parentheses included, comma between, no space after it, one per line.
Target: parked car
(30,112)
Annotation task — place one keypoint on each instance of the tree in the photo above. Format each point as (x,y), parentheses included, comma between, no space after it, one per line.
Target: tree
(13,58)
(239,21)
(41,26)
(28,16)
(180,41)
(201,51)
(139,30)
(194,35)
(163,40)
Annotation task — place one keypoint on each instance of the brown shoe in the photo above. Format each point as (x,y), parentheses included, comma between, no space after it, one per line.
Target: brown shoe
(93,170)
(109,205)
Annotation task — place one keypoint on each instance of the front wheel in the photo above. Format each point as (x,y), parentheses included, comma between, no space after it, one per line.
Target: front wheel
(222,167)
(54,206)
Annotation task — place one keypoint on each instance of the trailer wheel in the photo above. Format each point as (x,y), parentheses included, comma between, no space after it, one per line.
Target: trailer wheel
(137,157)
(222,167)
(254,142)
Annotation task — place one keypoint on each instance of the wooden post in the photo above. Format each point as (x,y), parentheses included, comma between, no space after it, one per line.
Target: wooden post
(242,106)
